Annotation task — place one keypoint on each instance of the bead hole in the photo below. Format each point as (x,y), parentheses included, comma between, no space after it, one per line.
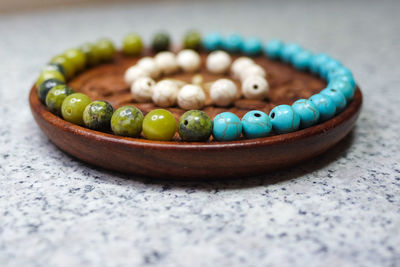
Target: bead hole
(186,122)
(255,86)
(333,90)
(272,115)
(257,114)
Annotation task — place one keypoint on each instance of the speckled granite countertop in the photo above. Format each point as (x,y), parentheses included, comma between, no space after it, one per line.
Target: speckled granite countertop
(341,209)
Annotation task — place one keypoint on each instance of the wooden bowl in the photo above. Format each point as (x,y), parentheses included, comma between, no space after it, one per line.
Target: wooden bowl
(177,159)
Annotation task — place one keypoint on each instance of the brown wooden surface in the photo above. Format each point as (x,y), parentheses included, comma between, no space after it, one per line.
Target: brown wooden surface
(210,159)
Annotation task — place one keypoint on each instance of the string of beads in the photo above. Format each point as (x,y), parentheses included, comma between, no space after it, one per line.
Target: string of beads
(194,125)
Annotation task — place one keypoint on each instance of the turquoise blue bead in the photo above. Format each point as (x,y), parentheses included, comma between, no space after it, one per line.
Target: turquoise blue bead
(345,78)
(329,66)
(338,72)
(308,112)
(284,119)
(325,106)
(212,41)
(337,97)
(302,60)
(256,124)
(226,127)
(273,49)
(289,50)
(317,61)
(233,43)
(252,46)
(344,87)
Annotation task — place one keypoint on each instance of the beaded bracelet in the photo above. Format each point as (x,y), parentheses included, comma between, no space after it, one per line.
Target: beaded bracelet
(223,92)
(194,125)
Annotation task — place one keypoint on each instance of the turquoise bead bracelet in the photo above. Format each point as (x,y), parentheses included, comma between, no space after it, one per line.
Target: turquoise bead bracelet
(195,125)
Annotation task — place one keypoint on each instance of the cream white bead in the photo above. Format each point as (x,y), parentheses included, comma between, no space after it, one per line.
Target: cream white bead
(197,79)
(218,62)
(148,64)
(188,60)
(178,83)
(142,89)
(166,62)
(223,92)
(240,64)
(255,87)
(133,73)
(165,93)
(191,97)
(252,70)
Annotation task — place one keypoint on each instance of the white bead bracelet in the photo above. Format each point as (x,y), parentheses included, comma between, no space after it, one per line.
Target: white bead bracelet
(223,92)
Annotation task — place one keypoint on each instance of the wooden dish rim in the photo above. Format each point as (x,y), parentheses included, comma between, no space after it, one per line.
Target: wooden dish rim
(40,109)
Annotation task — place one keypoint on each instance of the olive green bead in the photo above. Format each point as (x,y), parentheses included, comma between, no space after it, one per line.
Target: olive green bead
(77,57)
(49,74)
(73,106)
(195,125)
(159,124)
(56,96)
(127,121)
(55,66)
(160,42)
(66,63)
(46,86)
(106,49)
(92,54)
(132,45)
(97,115)
(192,40)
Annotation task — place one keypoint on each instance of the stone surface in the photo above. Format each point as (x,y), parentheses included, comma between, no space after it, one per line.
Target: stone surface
(341,209)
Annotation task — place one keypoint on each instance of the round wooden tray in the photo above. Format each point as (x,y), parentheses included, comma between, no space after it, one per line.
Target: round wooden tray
(203,160)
